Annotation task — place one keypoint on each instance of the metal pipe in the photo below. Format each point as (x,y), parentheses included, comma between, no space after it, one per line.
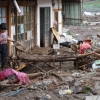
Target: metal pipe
(17,7)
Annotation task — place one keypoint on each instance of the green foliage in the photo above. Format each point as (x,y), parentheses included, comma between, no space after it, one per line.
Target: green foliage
(91,6)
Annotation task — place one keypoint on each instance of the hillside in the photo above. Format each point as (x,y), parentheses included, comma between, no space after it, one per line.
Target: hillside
(91,5)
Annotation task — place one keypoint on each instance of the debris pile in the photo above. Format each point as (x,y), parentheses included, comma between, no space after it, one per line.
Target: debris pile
(51,75)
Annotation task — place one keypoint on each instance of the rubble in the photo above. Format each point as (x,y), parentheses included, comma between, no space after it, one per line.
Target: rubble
(63,75)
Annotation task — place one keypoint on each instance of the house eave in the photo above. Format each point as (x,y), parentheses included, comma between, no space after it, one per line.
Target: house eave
(72,0)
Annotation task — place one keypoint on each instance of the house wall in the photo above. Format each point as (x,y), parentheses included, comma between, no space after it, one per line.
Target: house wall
(58,6)
(60,21)
(48,3)
(42,3)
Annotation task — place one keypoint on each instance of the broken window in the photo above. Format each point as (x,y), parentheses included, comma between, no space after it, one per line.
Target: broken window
(2,14)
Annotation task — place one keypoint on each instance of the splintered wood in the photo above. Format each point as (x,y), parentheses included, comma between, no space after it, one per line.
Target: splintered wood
(21,66)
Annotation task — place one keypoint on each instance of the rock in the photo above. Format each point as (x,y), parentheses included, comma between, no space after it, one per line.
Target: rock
(77,83)
(78,89)
(96,78)
(97,85)
(93,97)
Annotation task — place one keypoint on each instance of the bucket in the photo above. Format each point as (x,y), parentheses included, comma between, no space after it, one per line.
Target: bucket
(88,41)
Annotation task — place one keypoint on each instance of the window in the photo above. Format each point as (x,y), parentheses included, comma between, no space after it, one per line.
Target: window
(23,23)
(72,13)
(2,14)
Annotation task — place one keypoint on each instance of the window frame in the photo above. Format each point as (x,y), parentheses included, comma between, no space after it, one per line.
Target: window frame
(29,23)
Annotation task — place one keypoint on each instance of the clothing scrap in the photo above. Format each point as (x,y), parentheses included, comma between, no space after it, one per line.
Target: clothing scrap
(23,77)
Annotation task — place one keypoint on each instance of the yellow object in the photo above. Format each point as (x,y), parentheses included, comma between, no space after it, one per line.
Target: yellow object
(21,66)
(57,35)
(68,92)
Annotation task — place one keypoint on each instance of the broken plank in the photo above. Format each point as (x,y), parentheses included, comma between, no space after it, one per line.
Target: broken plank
(9,85)
(56,34)
(34,75)
(21,66)
(84,55)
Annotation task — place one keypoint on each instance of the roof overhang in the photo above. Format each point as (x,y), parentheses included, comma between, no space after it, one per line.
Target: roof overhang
(72,0)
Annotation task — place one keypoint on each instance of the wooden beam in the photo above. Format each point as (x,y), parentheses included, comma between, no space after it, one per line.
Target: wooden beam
(56,10)
(3,3)
(47,58)
(9,23)
(35,25)
(22,3)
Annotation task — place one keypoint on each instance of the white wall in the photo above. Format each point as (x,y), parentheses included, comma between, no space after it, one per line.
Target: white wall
(56,4)
(48,3)
(60,21)
(59,15)
(42,3)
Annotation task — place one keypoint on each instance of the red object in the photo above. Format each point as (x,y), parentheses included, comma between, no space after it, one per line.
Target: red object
(83,47)
(87,41)
(23,77)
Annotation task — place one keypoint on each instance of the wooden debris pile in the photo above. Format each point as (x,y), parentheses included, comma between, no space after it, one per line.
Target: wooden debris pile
(46,54)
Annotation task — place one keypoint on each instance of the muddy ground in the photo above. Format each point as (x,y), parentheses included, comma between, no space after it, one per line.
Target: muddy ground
(51,87)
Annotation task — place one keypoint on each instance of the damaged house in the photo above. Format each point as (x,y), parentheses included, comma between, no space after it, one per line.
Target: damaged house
(53,74)
(30,20)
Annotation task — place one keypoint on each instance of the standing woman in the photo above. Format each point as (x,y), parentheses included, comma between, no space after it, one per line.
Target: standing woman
(3,44)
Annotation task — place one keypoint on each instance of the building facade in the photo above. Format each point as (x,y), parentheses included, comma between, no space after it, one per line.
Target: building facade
(32,25)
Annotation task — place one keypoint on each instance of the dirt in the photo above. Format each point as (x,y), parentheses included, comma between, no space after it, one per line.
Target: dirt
(48,87)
